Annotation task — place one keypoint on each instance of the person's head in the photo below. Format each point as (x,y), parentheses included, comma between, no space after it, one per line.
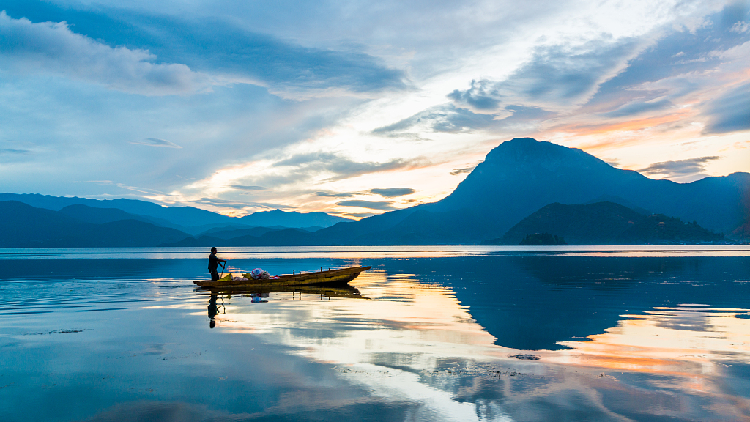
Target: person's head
(213,250)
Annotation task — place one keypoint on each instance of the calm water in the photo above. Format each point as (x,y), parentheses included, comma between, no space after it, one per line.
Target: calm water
(430,334)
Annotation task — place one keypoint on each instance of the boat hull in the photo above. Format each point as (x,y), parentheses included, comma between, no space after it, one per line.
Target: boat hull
(338,277)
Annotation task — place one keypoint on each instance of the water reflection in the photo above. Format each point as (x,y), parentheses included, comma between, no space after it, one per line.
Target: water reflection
(213,309)
(537,302)
(417,342)
(389,345)
(478,337)
(658,340)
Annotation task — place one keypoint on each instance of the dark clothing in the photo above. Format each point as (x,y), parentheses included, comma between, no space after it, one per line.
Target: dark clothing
(213,266)
(213,262)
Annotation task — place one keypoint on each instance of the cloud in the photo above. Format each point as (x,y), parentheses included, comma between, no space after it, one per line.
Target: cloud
(445,118)
(734,12)
(14,155)
(335,194)
(639,107)
(221,47)
(480,96)
(53,48)
(373,205)
(730,112)
(392,192)
(456,172)
(679,168)
(297,173)
(556,76)
(681,55)
(156,142)
(608,79)
(223,203)
(247,187)
(520,112)
(451,119)
(224,48)
(285,68)
(360,214)
(306,165)
(12,151)
(385,192)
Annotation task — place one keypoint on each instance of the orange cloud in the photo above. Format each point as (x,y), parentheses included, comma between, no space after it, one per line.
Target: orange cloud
(629,125)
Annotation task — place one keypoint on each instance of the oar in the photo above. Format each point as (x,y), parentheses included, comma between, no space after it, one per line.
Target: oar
(223,267)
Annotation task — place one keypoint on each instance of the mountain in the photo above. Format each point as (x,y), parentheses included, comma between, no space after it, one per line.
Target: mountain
(605,223)
(542,239)
(226,233)
(88,214)
(182,218)
(295,220)
(517,178)
(24,226)
(189,219)
(742,232)
(523,175)
(662,229)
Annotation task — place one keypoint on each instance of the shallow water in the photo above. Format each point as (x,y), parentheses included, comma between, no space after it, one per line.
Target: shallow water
(434,333)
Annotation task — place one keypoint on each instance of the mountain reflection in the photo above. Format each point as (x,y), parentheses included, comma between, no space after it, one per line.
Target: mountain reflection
(538,302)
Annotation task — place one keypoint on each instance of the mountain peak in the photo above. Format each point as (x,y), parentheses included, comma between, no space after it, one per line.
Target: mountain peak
(544,154)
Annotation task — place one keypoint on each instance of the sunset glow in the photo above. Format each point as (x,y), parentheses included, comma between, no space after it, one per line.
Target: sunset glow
(317,107)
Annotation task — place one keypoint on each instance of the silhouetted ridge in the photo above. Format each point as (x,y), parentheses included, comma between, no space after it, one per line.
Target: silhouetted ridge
(24,226)
(522,175)
(517,178)
(606,223)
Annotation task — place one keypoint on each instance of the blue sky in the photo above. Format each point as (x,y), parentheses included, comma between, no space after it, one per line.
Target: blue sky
(355,107)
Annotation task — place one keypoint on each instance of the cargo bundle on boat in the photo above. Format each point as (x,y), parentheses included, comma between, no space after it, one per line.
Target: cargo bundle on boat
(328,277)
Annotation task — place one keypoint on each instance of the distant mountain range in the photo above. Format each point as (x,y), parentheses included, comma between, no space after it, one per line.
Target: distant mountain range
(517,178)
(188,219)
(24,226)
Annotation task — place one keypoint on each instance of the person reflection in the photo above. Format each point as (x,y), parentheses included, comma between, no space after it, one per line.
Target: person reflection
(213,309)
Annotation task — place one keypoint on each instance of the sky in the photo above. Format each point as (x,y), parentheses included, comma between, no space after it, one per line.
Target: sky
(356,108)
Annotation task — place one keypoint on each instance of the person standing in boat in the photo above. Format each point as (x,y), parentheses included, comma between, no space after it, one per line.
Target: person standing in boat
(213,264)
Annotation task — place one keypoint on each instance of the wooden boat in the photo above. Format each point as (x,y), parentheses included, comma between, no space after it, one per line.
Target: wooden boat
(329,277)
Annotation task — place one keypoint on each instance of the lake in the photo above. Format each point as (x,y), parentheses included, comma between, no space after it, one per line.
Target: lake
(430,333)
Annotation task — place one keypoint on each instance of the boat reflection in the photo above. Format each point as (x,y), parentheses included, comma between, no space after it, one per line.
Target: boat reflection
(257,294)
(323,291)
